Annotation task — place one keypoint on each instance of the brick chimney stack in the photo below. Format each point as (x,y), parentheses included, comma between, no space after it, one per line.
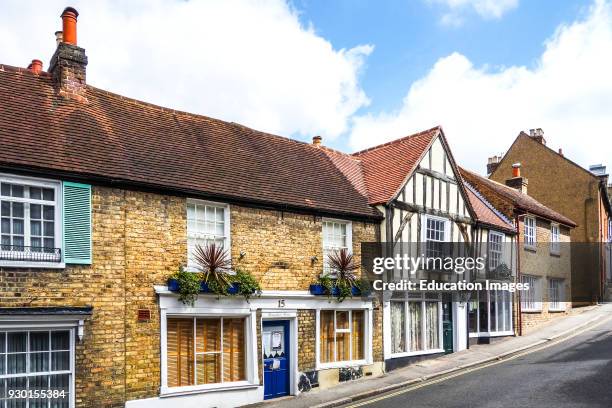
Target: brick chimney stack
(68,64)
(492,164)
(517,181)
(537,135)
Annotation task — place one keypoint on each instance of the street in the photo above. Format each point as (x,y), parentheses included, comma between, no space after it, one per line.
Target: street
(574,373)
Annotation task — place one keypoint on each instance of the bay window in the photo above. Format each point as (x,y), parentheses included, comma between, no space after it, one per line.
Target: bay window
(416,323)
(490,313)
(38,366)
(30,227)
(341,336)
(202,350)
(207,224)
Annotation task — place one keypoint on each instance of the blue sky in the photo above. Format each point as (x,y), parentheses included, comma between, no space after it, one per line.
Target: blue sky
(358,73)
(409,38)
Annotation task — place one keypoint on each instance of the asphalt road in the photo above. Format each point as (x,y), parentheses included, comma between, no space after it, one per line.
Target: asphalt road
(575,373)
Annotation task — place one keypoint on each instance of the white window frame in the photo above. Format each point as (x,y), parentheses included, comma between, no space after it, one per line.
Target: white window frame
(535,304)
(555,238)
(367,333)
(327,247)
(530,232)
(44,328)
(556,305)
(492,251)
(58,218)
(422,298)
(506,305)
(227,246)
(250,345)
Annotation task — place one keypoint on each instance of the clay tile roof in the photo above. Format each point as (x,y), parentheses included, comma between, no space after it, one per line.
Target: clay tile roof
(387,166)
(517,199)
(485,212)
(116,139)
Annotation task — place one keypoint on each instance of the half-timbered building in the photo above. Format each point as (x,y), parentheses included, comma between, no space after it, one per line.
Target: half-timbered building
(415,183)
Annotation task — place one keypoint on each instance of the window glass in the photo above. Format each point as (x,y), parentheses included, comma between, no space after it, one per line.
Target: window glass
(530,231)
(530,298)
(205,226)
(398,327)
(434,237)
(335,237)
(554,238)
(32,360)
(342,336)
(28,223)
(215,355)
(495,250)
(555,292)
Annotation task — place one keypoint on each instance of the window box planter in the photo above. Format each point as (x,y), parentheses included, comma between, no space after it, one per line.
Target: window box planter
(173,286)
(319,290)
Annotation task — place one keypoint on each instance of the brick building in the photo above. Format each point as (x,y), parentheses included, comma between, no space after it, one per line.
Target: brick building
(104,198)
(543,257)
(581,195)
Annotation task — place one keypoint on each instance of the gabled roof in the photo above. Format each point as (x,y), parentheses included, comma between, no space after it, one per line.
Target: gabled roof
(522,136)
(513,197)
(386,167)
(485,212)
(123,141)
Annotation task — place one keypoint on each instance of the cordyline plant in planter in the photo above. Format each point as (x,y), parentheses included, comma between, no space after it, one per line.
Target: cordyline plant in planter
(342,283)
(216,277)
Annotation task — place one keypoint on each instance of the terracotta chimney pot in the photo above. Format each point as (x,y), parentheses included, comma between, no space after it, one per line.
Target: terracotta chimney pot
(516,170)
(35,66)
(316,140)
(69,25)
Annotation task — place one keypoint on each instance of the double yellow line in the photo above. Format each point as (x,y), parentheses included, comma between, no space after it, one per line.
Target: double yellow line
(427,383)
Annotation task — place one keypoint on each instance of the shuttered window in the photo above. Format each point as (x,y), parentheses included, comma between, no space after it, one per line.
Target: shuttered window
(77,223)
(205,351)
(341,335)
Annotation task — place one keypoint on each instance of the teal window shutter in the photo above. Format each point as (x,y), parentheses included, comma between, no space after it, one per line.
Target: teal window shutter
(77,223)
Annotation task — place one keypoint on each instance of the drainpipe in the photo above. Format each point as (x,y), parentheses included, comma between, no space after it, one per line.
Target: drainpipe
(519,314)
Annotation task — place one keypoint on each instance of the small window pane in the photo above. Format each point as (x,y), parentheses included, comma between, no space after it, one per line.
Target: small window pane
(60,340)
(17,191)
(35,228)
(49,212)
(48,194)
(6,209)
(35,212)
(49,229)
(39,362)
(60,360)
(17,342)
(35,193)
(39,341)
(18,210)
(342,321)
(6,226)
(16,363)
(5,189)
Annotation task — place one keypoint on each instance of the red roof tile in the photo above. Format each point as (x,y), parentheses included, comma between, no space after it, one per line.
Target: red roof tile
(514,197)
(485,212)
(114,138)
(386,167)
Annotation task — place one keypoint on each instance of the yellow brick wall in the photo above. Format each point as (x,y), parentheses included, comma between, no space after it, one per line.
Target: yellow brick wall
(139,240)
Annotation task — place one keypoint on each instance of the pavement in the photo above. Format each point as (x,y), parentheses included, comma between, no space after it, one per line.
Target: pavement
(445,366)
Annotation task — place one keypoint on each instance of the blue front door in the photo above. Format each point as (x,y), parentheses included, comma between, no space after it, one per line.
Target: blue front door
(275,341)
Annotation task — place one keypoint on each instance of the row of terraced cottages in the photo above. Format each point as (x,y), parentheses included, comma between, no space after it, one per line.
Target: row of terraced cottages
(104,198)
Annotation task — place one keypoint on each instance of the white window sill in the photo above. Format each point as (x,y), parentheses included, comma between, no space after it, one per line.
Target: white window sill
(491,334)
(342,364)
(530,247)
(557,310)
(416,353)
(531,310)
(199,389)
(32,265)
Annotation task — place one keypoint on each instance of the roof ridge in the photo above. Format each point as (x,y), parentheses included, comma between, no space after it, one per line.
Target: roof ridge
(13,68)
(487,203)
(399,140)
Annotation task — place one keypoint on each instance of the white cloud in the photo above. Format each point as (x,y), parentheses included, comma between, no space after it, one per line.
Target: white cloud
(487,9)
(568,93)
(246,61)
